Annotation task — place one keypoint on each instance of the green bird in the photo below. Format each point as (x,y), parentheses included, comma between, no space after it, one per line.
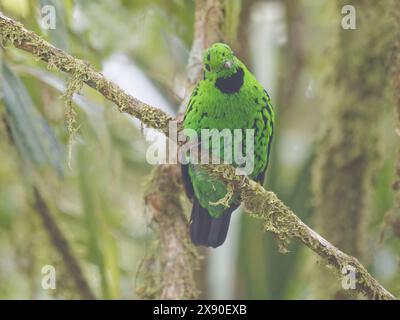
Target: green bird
(229,97)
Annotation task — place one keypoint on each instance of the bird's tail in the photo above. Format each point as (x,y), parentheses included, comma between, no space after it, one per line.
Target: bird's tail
(206,230)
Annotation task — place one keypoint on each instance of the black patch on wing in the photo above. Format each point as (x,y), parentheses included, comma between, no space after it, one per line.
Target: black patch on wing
(231,84)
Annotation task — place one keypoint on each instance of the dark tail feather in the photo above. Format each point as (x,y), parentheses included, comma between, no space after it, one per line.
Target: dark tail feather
(206,230)
(200,224)
(219,229)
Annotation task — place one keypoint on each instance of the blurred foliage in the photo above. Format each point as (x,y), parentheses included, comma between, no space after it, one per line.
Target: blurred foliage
(98,203)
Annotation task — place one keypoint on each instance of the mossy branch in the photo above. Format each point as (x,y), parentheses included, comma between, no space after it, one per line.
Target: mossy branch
(55,58)
(285,225)
(262,204)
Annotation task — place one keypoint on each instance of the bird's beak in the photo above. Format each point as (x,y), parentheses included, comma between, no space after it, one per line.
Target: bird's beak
(227,65)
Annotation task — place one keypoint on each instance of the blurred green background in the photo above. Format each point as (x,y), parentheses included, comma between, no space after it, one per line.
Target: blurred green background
(295,48)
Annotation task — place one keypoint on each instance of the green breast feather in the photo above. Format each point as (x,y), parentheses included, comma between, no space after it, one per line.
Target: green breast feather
(229,97)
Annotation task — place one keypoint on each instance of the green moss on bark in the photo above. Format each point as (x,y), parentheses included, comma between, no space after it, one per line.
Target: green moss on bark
(285,225)
(81,71)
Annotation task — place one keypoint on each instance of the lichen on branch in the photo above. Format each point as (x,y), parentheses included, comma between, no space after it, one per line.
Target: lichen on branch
(21,38)
(265,205)
(74,86)
(285,225)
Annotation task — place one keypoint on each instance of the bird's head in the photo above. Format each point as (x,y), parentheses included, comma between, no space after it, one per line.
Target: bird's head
(220,60)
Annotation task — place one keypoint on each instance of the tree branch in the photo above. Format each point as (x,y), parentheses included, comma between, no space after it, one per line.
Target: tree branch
(208,22)
(177,255)
(207,30)
(285,225)
(55,58)
(265,205)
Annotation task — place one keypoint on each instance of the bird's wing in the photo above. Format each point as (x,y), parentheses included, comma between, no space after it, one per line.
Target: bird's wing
(268,117)
(185,167)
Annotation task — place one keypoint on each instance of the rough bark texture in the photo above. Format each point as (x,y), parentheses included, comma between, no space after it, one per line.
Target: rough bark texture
(277,218)
(177,255)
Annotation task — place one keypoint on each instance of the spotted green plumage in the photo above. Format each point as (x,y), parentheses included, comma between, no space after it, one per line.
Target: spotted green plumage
(229,97)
